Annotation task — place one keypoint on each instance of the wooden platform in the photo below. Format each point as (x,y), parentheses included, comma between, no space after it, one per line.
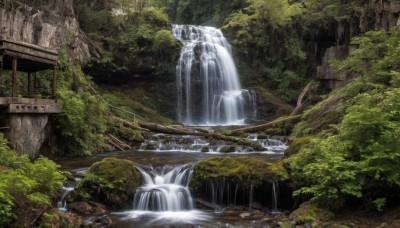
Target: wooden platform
(29,58)
(29,105)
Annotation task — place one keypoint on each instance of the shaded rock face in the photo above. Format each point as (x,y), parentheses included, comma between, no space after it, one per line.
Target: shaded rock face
(379,15)
(49,24)
(327,75)
(383,14)
(28,133)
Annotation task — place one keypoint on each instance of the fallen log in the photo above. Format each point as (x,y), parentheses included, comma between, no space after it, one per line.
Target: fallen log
(268,124)
(168,130)
(303,98)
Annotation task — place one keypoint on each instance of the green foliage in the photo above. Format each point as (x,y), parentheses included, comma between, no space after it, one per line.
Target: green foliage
(83,120)
(379,204)
(362,153)
(25,186)
(269,59)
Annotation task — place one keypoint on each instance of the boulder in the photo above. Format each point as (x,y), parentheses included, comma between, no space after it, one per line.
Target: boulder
(110,181)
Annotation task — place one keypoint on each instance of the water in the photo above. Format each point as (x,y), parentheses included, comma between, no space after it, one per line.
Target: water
(208,86)
(62,203)
(193,144)
(165,198)
(165,189)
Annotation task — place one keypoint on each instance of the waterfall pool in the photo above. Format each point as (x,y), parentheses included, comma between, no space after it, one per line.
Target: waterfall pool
(166,172)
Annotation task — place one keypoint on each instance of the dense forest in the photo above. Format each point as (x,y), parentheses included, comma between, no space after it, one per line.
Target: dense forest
(343,152)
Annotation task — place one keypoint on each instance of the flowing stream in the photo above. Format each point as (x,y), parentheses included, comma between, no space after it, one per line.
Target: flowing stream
(207,77)
(165,189)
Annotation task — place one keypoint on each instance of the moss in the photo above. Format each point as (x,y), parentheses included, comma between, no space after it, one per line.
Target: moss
(227,149)
(111,181)
(55,218)
(241,170)
(297,145)
(282,108)
(310,213)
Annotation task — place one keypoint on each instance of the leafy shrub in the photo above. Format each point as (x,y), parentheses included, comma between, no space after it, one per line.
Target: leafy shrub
(25,187)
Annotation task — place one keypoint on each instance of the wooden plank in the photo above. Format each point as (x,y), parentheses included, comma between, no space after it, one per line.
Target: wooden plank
(30,101)
(29,57)
(28,45)
(53,83)
(14,77)
(29,85)
(30,51)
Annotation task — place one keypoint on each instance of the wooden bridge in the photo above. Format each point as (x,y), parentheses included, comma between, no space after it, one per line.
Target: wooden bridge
(24,57)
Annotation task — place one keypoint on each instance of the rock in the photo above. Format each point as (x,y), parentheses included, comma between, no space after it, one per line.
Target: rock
(101,221)
(257,206)
(244,215)
(329,77)
(227,149)
(29,131)
(112,182)
(238,170)
(310,213)
(51,24)
(82,207)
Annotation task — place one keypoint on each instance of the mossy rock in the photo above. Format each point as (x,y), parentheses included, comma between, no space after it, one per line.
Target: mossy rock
(310,213)
(297,145)
(243,170)
(205,149)
(227,149)
(112,182)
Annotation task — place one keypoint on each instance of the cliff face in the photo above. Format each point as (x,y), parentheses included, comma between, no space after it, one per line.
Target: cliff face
(50,24)
(378,15)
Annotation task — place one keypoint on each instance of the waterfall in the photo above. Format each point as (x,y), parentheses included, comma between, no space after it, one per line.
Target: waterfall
(62,203)
(275,196)
(165,189)
(208,87)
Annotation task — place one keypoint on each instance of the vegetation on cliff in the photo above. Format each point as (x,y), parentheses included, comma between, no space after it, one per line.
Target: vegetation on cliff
(354,159)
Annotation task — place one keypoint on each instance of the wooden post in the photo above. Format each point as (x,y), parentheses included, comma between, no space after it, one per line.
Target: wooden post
(29,85)
(53,83)
(14,77)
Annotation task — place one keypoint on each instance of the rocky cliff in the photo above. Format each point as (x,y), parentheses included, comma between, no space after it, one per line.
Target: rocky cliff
(50,24)
(377,15)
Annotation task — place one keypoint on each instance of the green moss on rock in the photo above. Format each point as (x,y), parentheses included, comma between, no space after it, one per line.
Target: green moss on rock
(297,144)
(111,181)
(310,213)
(241,170)
(227,149)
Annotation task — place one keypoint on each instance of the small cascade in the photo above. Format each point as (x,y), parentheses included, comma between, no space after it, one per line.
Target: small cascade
(62,203)
(207,77)
(165,189)
(251,196)
(161,142)
(275,196)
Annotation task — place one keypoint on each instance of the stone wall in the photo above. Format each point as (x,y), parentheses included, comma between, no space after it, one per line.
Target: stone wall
(27,132)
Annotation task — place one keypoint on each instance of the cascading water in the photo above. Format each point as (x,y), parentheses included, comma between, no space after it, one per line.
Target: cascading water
(207,77)
(164,189)
(62,203)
